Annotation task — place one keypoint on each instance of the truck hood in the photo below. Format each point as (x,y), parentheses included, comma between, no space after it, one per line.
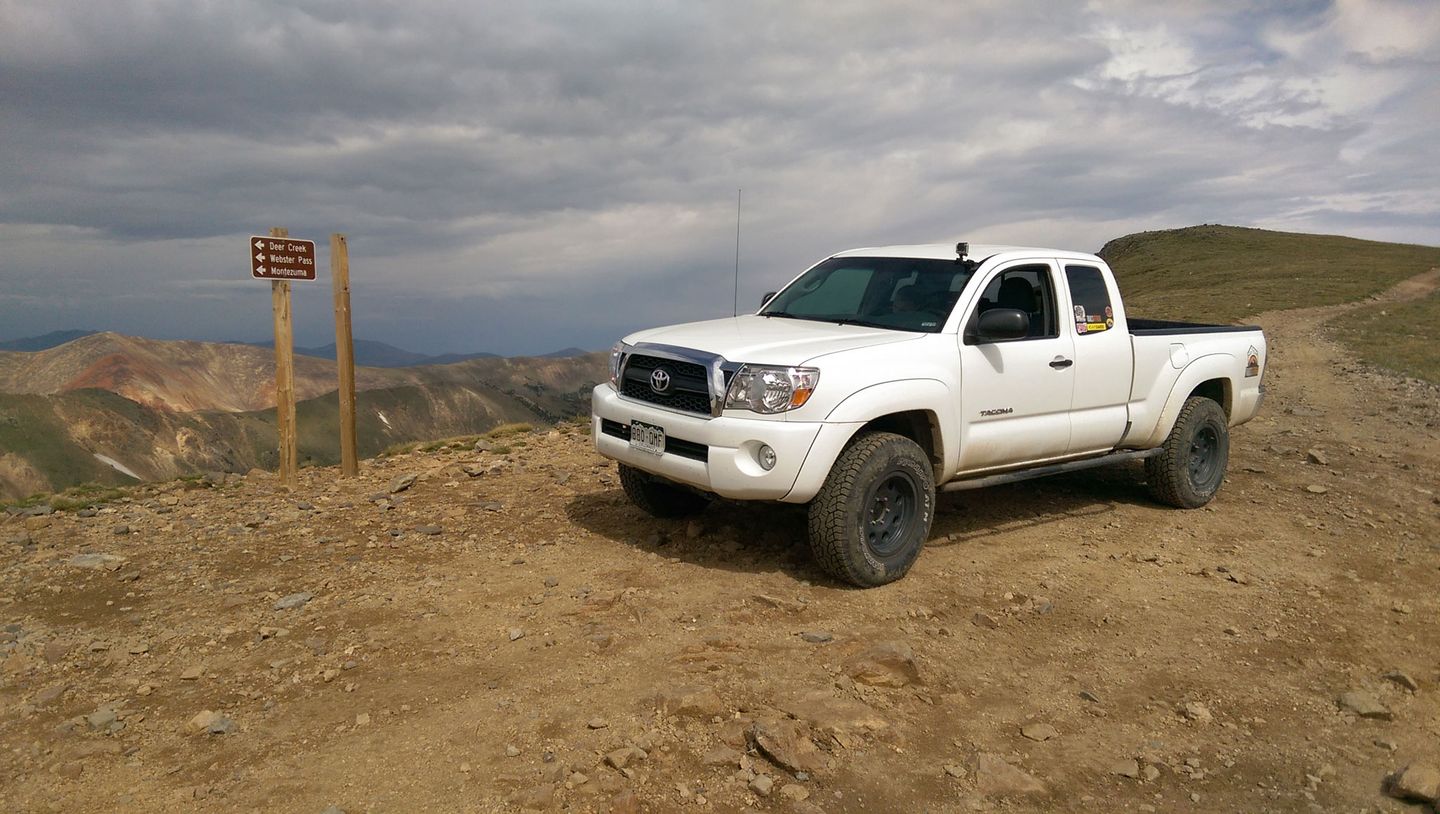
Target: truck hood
(769,340)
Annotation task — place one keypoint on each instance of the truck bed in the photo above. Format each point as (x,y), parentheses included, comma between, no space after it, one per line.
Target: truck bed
(1161,327)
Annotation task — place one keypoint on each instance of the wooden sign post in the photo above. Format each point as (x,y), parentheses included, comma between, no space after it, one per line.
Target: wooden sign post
(344,353)
(280,259)
(284,374)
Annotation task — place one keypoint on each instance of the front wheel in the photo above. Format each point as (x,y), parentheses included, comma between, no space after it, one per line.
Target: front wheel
(1191,465)
(873,515)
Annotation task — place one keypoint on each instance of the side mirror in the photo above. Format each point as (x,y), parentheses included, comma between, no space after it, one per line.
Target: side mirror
(1001,324)
(767,297)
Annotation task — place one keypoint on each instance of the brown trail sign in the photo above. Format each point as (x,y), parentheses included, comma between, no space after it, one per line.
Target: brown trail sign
(281,258)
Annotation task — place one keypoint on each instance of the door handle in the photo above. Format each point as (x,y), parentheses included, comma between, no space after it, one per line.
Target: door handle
(1060,362)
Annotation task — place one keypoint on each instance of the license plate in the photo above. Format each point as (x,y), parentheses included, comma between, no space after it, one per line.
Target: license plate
(647,438)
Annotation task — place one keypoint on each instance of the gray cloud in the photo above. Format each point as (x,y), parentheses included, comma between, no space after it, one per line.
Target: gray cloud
(519,176)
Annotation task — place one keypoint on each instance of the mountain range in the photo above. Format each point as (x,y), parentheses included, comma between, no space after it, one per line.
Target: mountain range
(368,352)
(109,408)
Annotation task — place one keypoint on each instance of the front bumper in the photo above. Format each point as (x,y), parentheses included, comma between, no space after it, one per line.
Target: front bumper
(718,455)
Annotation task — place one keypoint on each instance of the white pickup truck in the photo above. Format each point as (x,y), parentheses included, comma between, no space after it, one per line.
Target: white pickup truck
(879,374)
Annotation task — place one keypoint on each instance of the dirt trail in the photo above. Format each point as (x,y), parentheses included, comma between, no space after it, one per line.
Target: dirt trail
(484,643)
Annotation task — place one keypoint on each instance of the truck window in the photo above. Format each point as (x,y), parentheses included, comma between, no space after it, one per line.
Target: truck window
(1091,300)
(1024,288)
(840,292)
(898,293)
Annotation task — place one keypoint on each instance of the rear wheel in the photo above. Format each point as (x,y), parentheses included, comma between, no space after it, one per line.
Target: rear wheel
(1191,465)
(873,515)
(659,497)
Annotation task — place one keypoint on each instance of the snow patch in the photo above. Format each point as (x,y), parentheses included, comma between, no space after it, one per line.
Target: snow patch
(116,465)
(383,419)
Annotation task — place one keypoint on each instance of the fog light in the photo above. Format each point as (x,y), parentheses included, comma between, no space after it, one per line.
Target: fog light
(767,457)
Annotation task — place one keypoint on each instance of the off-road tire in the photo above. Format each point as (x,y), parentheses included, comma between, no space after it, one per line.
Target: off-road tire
(659,497)
(881,483)
(1191,465)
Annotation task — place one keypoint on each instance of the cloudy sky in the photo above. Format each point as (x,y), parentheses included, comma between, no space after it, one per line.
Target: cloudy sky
(522,176)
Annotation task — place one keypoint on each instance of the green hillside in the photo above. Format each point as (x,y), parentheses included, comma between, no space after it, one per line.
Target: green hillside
(1403,337)
(1228,273)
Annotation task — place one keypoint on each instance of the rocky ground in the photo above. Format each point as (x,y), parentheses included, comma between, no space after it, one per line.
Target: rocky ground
(470,631)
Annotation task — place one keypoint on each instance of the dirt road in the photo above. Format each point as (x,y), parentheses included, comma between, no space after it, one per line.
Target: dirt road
(522,637)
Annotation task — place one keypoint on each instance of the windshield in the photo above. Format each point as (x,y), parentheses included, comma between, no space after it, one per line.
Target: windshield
(900,293)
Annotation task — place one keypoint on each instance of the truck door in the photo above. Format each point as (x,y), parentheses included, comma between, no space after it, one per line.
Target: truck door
(1016,393)
(1104,360)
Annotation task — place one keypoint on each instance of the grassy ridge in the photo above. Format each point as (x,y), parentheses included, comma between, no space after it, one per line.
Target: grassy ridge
(1227,273)
(1403,337)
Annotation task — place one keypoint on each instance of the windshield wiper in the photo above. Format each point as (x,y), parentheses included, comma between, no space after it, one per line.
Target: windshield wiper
(864,323)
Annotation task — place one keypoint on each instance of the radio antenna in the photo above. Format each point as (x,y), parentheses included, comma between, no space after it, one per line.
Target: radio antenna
(737,254)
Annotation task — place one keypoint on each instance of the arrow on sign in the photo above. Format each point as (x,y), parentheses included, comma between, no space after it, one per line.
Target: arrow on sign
(260,257)
(259,244)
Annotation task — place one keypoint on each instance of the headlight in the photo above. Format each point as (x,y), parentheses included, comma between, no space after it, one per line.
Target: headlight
(617,356)
(767,389)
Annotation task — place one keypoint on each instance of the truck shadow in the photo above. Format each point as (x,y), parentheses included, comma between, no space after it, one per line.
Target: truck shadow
(770,537)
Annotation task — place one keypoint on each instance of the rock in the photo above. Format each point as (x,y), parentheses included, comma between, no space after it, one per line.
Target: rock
(1403,680)
(721,756)
(1086,695)
(1365,705)
(778,603)
(888,664)
(1039,732)
(97,562)
(624,756)
(400,483)
(985,620)
(1317,456)
(1418,782)
(1197,712)
(101,718)
(597,723)
(1125,768)
(210,722)
(50,695)
(294,601)
(1317,489)
(55,652)
(120,531)
(955,770)
(333,809)
(515,634)
(794,792)
(762,785)
(817,636)
(512,751)
(625,802)
(786,743)
(192,673)
(689,701)
(551,582)
(430,530)
(843,719)
(538,798)
(996,778)
(1151,773)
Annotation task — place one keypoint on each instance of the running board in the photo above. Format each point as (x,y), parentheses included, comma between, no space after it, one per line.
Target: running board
(1052,469)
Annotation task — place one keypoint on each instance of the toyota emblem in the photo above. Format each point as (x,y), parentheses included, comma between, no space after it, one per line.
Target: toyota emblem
(660,381)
